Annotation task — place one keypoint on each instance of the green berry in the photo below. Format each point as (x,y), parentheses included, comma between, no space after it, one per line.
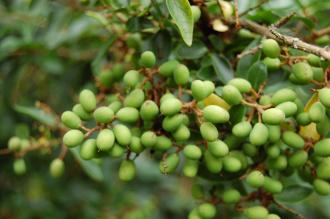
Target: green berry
(293,140)
(289,108)
(273,151)
(19,166)
(207,210)
(303,119)
(298,159)
(105,139)
(302,72)
(167,68)
(88,149)
(115,106)
(318,74)
(314,60)
(163,143)
(322,170)
(231,196)
(232,164)
(250,150)
(172,123)
(81,112)
(131,78)
(147,59)
(149,110)
(181,74)
(255,179)
(87,100)
(169,164)
(270,48)
(182,133)
(194,214)
(103,114)
(134,99)
(274,132)
(197,191)
(198,90)
(136,145)
(283,95)
(273,186)
(242,129)
(322,148)
(117,151)
(256,212)
(70,120)
(14,144)
(218,148)
(278,163)
(148,139)
(243,85)
(122,134)
(273,216)
(215,114)
(128,114)
(321,187)
(127,170)
(259,134)
(190,168)
(106,78)
(213,164)
(324,95)
(231,95)
(316,112)
(56,168)
(265,100)
(209,87)
(192,152)
(272,63)
(170,106)
(196,12)
(73,138)
(273,116)
(208,131)
(118,71)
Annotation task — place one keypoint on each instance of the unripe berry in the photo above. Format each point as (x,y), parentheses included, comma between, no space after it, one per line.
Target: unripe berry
(231,95)
(213,164)
(250,149)
(190,168)
(273,116)
(103,114)
(231,196)
(149,110)
(318,74)
(243,85)
(128,114)
(298,159)
(313,60)
(182,133)
(127,170)
(255,179)
(265,100)
(207,210)
(302,72)
(87,100)
(105,140)
(172,123)
(115,106)
(134,99)
(169,164)
(272,63)
(303,119)
(88,149)
(135,145)
(232,164)
(209,87)
(322,170)
(122,134)
(131,78)
(278,163)
(283,95)
(274,132)
(289,108)
(259,134)
(181,74)
(242,129)
(208,131)
(293,140)
(106,78)
(273,216)
(81,112)
(217,148)
(148,139)
(322,148)
(194,214)
(192,152)
(270,48)
(256,212)
(316,112)
(73,138)
(166,96)
(147,59)
(324,95)
(273,186)
(215,114)
(273,151)
(197,191)
(70,120)
(14,144)
(117,151)
(56,168)
(163,143)
(196,12)
(170,106)
(167,68)
(321,187)
(198,90)
(19,166)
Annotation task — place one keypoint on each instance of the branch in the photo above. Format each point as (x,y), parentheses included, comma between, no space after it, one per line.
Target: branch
(289,210)
(290,41)
(253,8)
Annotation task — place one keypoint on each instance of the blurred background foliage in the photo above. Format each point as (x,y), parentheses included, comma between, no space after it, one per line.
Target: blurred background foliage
(49,50)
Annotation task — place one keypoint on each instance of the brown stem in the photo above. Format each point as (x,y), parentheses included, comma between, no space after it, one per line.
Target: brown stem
(253,8)
(289,210)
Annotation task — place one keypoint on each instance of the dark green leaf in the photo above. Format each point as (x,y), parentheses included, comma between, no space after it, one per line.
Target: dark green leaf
(181,13)
(162,44)
(37,114)
(222,67)
(236,114)
(294,193)
(195,51)
(257,74)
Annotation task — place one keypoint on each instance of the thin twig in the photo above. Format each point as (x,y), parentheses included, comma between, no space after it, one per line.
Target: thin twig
(289,210)
(251,51)
(253,8)
(237,23)
(284,20)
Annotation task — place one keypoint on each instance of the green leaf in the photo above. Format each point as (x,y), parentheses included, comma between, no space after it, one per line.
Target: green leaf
(37,114)
(92,169)
(257,74)
(237,113)
(180,11)
(195,51)
(222,68)
(294,193)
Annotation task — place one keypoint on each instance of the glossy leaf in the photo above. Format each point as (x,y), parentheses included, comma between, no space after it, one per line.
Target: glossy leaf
(294,193)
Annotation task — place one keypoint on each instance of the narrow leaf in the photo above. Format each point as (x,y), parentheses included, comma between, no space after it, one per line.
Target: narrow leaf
(294,193)
(37,114)
(222,67)
(257,74)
